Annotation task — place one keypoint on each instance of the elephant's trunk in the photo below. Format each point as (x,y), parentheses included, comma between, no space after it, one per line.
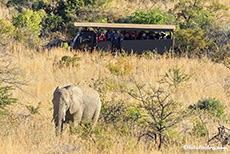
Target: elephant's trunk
(58,126)
(60,118)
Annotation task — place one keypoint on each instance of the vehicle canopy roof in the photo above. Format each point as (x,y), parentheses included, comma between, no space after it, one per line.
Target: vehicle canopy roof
(125,26)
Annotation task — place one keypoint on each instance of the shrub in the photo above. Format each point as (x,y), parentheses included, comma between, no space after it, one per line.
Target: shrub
(162,113)
(52,23)
(66,46)
(154,16)
(6,99)
(6,31)
(121,67)
(28,26)
(68,61)
(191,41)
(211,106)
(198,129)
(174,77)
(34,110)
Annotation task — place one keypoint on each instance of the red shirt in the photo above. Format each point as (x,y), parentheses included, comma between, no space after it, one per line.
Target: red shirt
(99,38)
(133,35)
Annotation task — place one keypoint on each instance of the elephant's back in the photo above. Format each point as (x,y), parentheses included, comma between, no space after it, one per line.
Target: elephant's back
(92,101)
(89,92)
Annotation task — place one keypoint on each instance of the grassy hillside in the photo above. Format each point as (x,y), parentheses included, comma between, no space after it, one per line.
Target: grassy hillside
(28,128)
(27,133)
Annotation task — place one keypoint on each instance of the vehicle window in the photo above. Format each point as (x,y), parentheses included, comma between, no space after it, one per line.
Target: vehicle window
(84,39)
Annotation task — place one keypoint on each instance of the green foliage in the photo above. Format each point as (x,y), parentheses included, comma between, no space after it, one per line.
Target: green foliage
(68,61)
(121,67)
(198,129)
(66,46)
(6,31)
(6,99)
(42,4)
(120,115)
(191,41)
(51,23)
(30,19)
(198,13)
(6,28)
(20,4)
(211,106)
(197,18)
(34,110)
(28,26)
(174,77)
(154,16)
(73,4)
(163,113)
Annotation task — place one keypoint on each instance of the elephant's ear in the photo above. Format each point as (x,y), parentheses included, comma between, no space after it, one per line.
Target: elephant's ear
(76,100)
(55,93)
(57,89)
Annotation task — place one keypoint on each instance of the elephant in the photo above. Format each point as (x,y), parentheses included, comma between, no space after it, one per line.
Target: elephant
(79,105)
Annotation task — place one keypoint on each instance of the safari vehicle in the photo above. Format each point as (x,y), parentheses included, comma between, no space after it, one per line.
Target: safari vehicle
(89,39)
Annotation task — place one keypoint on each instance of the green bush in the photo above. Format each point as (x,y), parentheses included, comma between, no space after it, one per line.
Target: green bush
(191,41)
(154,16)
(174,77)
(66,46)
(121,115)
(68,61)
(197,14)
(211,106)
(162,112)
(197,19)
(34,110)
(6,31)
(6,99)
(198,129)
(51,23)
(28,26)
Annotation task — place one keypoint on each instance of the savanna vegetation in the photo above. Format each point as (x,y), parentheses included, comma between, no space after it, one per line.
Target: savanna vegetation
(150,103)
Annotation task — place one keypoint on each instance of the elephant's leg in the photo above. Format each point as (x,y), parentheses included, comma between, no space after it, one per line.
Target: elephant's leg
(95,117)
(77,118)
(62,127)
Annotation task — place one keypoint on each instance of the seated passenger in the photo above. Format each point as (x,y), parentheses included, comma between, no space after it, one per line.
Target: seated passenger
(127,37)
(157,36)
(133,35)
(163,35)
(121,36)
(115,37)
(139,36)
(144,36)
(101,37)
(153,36)
(108,35)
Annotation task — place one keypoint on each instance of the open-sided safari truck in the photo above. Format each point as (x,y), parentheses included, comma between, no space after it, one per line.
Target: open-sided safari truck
(157,38)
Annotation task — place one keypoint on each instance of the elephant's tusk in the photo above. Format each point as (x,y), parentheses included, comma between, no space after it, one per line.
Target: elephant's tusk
(64,115)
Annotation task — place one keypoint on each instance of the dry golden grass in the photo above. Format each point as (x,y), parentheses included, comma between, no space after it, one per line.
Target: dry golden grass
(4,12)
(35,134)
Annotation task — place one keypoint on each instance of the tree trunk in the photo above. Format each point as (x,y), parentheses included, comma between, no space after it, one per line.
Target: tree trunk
(160,142)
